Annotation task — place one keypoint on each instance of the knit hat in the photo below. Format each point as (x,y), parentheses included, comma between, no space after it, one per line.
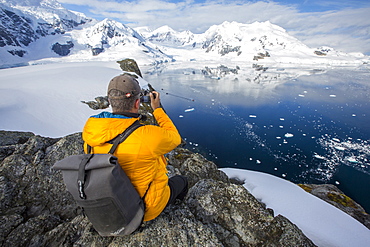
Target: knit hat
(126,84)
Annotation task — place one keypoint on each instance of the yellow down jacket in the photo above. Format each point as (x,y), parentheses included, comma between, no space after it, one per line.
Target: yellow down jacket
(141,155)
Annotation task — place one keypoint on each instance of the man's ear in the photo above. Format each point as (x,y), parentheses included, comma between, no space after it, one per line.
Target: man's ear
(137,103)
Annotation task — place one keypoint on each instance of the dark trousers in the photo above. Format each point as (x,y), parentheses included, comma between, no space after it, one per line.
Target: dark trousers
(179,188)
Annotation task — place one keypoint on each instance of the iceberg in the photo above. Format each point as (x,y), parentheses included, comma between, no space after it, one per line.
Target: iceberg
(189,110)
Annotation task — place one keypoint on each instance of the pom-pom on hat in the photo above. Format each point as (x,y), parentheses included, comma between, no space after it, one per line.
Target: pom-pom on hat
(126,85)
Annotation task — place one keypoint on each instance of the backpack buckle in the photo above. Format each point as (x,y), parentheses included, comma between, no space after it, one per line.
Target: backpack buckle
(81,190)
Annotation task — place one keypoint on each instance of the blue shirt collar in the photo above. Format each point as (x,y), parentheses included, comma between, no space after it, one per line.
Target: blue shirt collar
(106,114)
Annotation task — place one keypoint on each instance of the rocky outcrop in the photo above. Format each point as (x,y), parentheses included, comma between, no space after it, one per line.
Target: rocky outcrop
(33,199)
(97,50)
(227,49)
(36,209)
(129,65)
(62,49)
(319,53)
(261,56)
(101,102)
(19,53)
(331,194)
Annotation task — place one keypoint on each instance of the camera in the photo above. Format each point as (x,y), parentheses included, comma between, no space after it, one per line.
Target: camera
(145,97)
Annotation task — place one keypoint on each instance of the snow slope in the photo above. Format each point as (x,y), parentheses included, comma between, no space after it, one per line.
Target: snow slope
(45,99)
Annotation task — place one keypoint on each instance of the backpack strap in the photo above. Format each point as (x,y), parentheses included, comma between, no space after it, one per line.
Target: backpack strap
(89,149)
(81,175)
(122,137)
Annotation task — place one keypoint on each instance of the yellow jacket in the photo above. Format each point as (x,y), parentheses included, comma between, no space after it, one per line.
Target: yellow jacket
(140,155)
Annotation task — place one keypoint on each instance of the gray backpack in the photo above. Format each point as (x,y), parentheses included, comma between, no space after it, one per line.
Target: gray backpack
(101,187)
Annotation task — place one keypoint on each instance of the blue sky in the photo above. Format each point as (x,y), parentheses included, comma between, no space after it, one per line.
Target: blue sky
(344,25)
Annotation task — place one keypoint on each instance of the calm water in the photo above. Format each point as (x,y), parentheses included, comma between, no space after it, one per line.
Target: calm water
(311,129)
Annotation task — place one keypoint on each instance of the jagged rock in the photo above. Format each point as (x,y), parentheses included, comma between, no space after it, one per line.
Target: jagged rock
(261,56)
(130,65)
(96,51)
(8,138)
(259,67)
(19,53)
(62,50)
(228,48)
(331,194)
(238,219)
(32,202)
(36,209)
(101,102)
(319,53)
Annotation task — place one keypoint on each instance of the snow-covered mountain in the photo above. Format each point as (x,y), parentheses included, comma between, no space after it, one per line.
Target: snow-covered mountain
(255,38)
(165,35)
(39,31)
(43,29)
(23,22)
(248,42)
(114,40)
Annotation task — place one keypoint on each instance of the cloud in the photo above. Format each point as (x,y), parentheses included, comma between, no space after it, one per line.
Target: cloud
(346,29)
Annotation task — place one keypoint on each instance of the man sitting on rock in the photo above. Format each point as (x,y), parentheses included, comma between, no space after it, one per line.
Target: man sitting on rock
(141,155)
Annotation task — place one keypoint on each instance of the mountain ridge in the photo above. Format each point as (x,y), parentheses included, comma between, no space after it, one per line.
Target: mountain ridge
(39,31)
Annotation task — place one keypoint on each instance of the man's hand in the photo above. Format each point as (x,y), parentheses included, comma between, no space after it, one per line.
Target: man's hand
(155,101)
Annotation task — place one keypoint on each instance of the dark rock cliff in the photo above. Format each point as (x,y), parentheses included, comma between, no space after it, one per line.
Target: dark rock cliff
(36,209)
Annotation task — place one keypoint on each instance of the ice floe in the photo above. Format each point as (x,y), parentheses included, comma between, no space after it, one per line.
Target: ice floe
(355,153)
(189,110)
(319,157)
(288,135)
(340,148)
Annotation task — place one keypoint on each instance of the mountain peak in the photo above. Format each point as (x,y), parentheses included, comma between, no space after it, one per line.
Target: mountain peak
(111,28)
(164,29)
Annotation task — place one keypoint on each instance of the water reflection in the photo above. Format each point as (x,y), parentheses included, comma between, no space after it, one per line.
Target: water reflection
(261,85)
(303,126)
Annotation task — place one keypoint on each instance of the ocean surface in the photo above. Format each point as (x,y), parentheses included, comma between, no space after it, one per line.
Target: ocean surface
(313,128)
